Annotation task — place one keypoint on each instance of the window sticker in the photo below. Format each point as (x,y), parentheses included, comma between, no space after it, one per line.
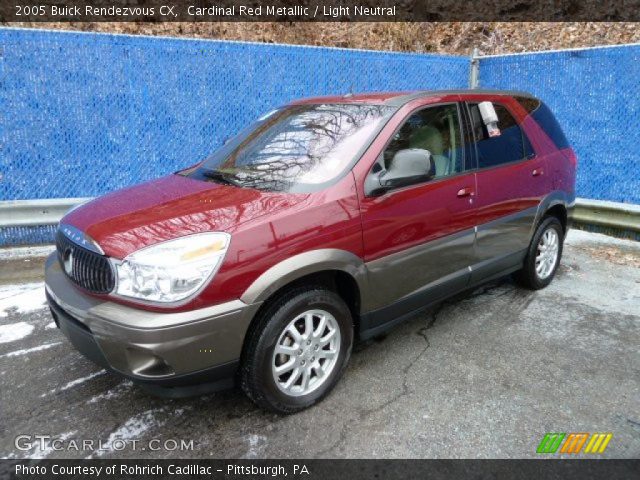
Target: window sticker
(490,118)
(493,130)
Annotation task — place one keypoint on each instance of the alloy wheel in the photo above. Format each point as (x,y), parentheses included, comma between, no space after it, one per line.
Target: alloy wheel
(306,352)
(547,255)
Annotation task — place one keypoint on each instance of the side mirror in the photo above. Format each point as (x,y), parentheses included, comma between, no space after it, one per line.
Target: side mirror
(409,166)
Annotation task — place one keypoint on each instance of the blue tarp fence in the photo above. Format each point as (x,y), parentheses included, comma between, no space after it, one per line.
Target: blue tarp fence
(595,94)
(83,114)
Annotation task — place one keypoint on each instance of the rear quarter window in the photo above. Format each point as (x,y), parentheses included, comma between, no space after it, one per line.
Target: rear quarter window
(511,145)
(547,121)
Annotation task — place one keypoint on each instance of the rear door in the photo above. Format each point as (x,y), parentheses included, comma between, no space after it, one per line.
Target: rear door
(418,240)
(511,182)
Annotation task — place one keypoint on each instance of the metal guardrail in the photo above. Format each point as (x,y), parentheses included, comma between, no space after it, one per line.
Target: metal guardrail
(30,213)
(25,213)
(618,216)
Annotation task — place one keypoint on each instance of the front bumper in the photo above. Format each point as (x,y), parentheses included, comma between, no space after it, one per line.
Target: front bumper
(171,354)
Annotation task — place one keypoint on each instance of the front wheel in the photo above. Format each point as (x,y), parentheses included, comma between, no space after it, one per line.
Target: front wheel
(543,256)
(297,350)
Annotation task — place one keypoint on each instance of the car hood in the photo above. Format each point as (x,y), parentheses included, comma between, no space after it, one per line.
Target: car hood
(130,219)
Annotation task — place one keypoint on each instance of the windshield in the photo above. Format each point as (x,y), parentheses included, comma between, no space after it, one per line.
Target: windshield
(296,148)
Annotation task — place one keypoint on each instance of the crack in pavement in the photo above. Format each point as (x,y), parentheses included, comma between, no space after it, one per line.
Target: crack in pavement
(363,414)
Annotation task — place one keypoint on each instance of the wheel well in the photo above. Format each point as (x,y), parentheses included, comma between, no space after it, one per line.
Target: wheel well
(560,212)
(335,280)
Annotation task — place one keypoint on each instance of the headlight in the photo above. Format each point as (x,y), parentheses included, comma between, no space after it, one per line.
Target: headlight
(172,270)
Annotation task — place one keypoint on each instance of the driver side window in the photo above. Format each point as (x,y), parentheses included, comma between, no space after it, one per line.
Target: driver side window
(436,129)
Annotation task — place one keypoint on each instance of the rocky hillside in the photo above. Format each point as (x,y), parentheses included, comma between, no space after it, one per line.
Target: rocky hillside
(445,37)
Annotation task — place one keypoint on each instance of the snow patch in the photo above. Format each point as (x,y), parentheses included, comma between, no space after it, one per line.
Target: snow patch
(136,426)
(132,429)
(115,392)
(257,445)
(75,382)
(27,297)
(51,326)
(27,351)
(15,331)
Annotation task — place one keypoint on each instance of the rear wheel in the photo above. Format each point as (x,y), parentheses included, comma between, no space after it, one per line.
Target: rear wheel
(297,349)
(543,256)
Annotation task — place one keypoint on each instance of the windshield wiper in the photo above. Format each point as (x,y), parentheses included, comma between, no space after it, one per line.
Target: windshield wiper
(219,177)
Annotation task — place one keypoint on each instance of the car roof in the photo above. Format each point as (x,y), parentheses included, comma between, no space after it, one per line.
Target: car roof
(398,99)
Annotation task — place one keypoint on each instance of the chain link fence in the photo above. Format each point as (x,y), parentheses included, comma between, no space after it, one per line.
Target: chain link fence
(90,113)
(85,114)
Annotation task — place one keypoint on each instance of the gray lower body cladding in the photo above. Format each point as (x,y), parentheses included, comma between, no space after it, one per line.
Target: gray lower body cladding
(163,350)
(203,381)
(414,279)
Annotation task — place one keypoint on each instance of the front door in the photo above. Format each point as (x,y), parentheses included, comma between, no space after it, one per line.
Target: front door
(418,239)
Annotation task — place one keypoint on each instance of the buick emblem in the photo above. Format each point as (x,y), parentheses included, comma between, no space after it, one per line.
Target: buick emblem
(67,260)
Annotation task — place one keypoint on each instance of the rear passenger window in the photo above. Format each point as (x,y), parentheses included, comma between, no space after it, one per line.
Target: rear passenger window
(547,121)
(510,145)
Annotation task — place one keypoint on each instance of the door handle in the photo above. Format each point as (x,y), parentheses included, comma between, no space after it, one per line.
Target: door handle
(537,172)
(465,192)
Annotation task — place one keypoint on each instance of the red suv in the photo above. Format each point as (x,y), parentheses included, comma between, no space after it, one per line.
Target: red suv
(326,221)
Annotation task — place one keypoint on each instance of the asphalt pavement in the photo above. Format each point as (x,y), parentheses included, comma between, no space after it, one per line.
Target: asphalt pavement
(484,375)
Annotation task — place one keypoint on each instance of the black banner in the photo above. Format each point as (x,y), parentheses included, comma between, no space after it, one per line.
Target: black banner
(317,10)
(321,469)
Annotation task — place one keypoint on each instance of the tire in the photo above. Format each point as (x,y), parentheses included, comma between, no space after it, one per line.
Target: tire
(532,275)
(274,327)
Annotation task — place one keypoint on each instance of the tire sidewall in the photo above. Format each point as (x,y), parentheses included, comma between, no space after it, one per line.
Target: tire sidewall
(315,299)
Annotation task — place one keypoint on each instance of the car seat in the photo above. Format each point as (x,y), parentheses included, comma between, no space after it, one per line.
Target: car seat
(430,138)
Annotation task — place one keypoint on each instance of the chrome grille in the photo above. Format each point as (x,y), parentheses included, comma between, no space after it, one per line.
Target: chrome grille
(89,270)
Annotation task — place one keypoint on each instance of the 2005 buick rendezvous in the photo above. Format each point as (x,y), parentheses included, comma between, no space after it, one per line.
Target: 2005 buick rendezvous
(327,220)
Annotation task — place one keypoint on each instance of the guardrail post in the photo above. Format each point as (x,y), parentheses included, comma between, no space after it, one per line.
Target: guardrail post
(474,69)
